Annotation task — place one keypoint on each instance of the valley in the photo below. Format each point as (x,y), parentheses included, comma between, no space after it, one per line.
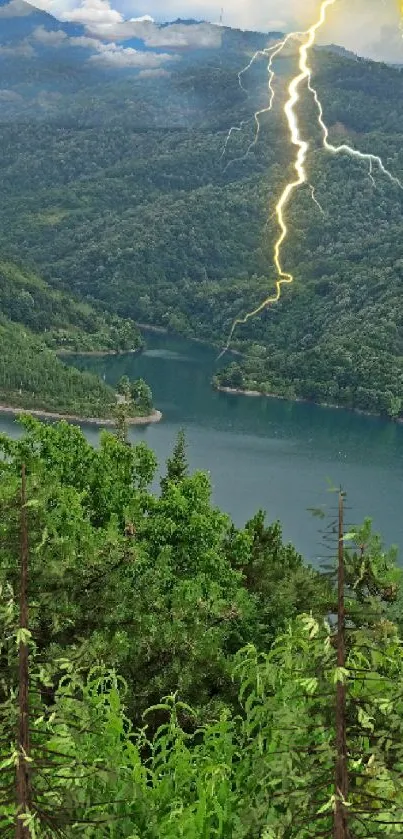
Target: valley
(108,210)
(275,454)
(200,624)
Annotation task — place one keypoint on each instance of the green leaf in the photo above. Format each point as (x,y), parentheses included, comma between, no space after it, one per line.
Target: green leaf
(22,636)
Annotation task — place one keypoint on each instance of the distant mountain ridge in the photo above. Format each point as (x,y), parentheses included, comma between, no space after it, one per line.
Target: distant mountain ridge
(20,25)
(31,38)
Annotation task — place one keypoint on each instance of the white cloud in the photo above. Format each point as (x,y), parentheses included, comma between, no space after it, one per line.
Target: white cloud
(107,23)
(117,56)
(9,95)
(93,12)
(49,37)
(16,8)
(58,38)
(57,8)
(175,36)
(84,41)
(112,54)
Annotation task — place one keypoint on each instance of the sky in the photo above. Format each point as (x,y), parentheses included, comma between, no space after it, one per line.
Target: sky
(372,28)
(369,27)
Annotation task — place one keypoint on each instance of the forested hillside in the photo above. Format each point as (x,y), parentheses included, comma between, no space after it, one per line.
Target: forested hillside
(165,674)
(35,322)
(120,193)
(63,322)
(32,376)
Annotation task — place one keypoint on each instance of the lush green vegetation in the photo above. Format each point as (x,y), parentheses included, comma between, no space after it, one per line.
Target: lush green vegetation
(184,676)
(63,323)
(137,395)
(130,202)
(31,376)
(37,321)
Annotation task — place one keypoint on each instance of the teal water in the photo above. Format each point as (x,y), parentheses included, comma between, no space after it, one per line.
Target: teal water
(266,453)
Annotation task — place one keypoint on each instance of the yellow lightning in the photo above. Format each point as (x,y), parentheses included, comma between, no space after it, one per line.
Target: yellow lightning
(309,38)
(305,74)
(272,53)
(371,159)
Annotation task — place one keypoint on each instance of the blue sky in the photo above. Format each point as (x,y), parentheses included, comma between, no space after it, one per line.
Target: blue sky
(369,27)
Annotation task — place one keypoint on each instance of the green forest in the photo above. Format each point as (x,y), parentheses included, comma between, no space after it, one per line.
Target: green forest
(32,376)
(166,674)
(64,323)
(126,196)
(37,325)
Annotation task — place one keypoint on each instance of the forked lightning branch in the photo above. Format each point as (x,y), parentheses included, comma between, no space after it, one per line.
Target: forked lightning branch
(306,41)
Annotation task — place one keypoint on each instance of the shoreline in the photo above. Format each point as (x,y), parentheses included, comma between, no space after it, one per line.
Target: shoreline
(98,353)
(239,392)
(162,330)
(156,416)
(148,327)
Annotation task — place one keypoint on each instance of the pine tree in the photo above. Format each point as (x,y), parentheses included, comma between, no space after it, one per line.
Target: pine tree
(121,412)
(326,708)
(47,708)
(177,464)
(123,388)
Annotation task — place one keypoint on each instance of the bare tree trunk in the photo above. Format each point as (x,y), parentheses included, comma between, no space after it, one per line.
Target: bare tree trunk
(341,774)
(23,781)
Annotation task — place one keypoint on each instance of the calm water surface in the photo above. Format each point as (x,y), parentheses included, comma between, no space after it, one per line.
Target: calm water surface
(266,453)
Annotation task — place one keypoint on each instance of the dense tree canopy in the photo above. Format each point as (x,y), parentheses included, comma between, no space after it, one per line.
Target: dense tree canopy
(31,376)
(183,673)
(165,577)
(149,217)
(36,322)
(63,322)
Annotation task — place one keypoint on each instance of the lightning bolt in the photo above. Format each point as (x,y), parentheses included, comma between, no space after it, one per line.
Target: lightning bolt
(284,278)
(371,159)
(308,40)
(315,200)
(233,128)
(272,53)
(244,70)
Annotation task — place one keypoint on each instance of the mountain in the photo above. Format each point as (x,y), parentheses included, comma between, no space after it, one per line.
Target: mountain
(63,322)
(36,320)
(337,50)
(32,376)
(19,20)
(126,189)
(43,59)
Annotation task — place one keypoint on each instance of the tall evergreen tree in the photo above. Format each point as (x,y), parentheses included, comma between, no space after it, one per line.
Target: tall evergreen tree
(177,464)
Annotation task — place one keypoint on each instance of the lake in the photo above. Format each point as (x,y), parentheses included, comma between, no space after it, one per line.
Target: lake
(265,453)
